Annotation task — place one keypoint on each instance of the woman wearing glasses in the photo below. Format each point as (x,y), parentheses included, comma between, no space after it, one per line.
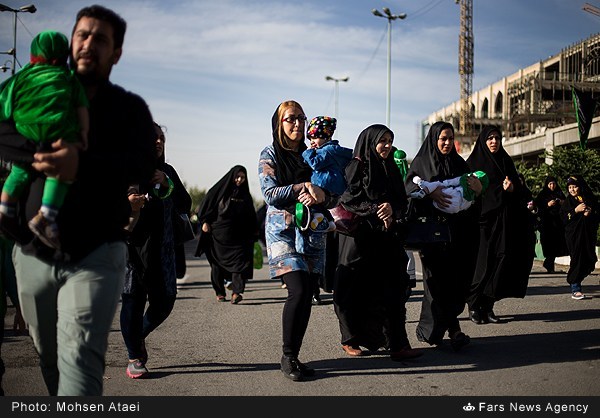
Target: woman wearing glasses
(296,258)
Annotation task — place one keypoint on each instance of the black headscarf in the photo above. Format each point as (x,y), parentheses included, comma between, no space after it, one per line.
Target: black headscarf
(291,167)
(371,179)
(430,164)
(546,195)
(223,190)
(497,166)
(586,193)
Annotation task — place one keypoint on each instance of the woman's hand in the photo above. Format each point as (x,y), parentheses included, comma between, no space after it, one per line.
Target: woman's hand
(205,227)
(311,195)
(507,185)
(136,201)
(474,184)
(384,212)
(439,197)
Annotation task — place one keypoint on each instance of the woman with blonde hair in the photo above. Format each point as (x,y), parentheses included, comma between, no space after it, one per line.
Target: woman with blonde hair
(294,257)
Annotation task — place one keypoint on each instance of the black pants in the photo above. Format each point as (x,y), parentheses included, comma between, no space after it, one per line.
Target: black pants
(218,277)
(296,310)
(135,324)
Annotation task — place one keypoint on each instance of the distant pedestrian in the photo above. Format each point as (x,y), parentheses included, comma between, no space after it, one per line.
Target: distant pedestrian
(552,230)
(228,232)
(581,215)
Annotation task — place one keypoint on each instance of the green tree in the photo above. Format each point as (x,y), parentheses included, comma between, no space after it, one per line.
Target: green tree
(566,161)
(197,195)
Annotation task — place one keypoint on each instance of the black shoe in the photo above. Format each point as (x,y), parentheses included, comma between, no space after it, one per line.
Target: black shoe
(476,317)
(492,318)
(305,370)
(549,267)
(290,368)
(459,340)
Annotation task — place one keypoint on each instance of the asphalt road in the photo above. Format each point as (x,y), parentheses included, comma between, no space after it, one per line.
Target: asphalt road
(547,345)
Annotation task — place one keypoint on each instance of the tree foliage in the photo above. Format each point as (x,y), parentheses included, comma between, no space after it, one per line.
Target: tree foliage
(566,161)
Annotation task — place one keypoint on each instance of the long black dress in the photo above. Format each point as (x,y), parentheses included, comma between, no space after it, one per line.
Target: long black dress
(552,230)
(229,246)
(447,268)
(506,238)
(371,280)
(580,231)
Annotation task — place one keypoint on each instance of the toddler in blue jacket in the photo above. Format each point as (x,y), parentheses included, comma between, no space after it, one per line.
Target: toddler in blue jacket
(328,159)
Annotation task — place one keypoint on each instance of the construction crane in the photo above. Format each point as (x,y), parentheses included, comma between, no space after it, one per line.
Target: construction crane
(465,68)
(591,9)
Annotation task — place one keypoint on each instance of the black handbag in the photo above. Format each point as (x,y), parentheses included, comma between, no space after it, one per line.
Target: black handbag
(426,230)
(183,230)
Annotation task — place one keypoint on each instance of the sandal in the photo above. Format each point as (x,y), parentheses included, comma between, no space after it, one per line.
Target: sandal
(577,296)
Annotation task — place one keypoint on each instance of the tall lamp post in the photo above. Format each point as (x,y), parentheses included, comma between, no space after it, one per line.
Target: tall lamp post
(30,8)
(337,90)
(390,17)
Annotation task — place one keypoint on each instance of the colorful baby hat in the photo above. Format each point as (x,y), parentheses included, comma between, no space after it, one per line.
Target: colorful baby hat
(321,127)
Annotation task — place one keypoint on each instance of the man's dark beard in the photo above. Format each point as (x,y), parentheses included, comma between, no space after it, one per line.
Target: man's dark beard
(85,79)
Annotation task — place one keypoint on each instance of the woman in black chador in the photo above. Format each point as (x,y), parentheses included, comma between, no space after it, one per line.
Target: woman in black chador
(371,280)
(228,232)
(552,230)
(447,267)
(506,237)
(580,214)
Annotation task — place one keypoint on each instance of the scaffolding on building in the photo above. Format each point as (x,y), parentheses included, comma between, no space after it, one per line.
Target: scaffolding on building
(543,99)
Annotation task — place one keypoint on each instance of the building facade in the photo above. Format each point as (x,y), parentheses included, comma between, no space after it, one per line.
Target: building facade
(534,106)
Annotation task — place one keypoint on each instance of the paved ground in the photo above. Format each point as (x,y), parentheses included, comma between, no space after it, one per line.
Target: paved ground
(548,345)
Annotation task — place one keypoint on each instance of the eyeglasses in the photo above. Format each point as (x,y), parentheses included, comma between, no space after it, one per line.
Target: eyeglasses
(293,118)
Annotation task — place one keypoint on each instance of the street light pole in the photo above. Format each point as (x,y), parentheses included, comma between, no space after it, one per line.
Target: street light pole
(389,16)
(336,90)
(29,9)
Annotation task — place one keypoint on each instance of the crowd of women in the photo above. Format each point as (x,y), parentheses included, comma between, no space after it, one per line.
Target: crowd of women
(488,256)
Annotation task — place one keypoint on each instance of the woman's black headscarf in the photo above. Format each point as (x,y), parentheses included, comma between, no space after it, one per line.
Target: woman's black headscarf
(291,167)
(497,166)
(430,164)
(224,189)
(585,192)
(546,195)
(371,179)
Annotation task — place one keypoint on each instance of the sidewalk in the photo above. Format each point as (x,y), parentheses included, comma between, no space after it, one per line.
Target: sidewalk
(547,345)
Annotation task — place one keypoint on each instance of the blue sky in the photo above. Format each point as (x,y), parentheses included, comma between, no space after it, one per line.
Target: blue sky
(213,71)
